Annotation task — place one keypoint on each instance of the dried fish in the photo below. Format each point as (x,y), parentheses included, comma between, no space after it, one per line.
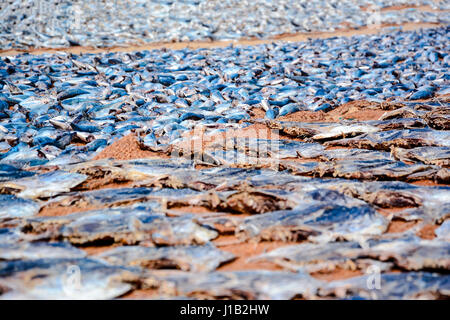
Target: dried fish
(407,139)
(410,285)
(354,155)
(12,206)
(336,132)
(443,231)
(255,284)
(262,148)
(323,215)
(8,172)
(314,257)
(64,279)
(114,197)
(247,201)
(439,118)
(131,229)
(377,169)
(43,185)
(406,253)
(439,156)
(412,254)
(186,258)
(60,112)
(39,250)
(223,224)
(67,23)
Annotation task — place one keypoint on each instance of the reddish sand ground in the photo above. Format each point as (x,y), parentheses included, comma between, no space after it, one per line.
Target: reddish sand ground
(60,210)
(127,148)
(427,232)
(397,226)
(244,251)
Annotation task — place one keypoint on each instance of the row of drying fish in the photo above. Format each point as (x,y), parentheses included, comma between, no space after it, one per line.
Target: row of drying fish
(62,23)
(51,104)
(337,218)
(105,281)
